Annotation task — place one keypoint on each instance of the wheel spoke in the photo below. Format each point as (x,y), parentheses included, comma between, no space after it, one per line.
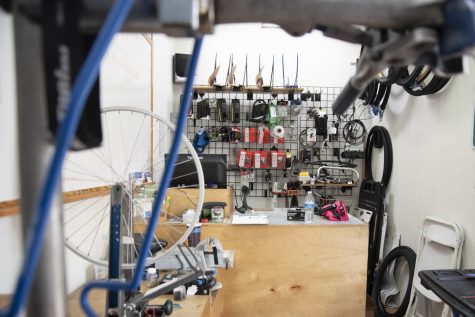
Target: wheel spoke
(92,230)
(132,153)
(84,224)
(83,210)
(97,231)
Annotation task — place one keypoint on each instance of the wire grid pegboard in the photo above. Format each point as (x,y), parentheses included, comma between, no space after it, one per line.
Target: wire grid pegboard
(292,122)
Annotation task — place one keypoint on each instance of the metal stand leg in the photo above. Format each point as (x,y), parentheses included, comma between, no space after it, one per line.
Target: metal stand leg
(113,305)
(48,294)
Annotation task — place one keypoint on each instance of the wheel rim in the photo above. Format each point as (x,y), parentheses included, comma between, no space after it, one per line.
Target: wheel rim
(86,221)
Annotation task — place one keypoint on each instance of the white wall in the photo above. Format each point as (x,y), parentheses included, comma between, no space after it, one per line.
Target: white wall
(322,61)
(163,48)
(10,245)
(434,160)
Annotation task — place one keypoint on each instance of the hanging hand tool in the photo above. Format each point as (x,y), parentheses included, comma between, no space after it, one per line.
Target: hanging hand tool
(244,80)
(284,83)
(295,85)
(271,82)
(297,73)
(230,75)
(212,77)
(259,79)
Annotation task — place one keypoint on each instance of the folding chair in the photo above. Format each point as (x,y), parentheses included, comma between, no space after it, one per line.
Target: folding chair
(440,247)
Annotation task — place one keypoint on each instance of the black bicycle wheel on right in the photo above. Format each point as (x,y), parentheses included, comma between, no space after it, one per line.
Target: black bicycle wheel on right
(400,252)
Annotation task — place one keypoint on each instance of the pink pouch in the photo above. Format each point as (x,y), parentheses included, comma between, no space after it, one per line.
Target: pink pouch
(336,211)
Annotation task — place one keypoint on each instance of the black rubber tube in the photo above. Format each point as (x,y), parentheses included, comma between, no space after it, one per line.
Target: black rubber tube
(409,78)
(379,137)
(370,90)
(396,253)
(386,98)
(379,97)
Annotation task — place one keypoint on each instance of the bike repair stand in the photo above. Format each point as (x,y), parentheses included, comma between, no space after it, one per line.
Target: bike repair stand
(35,152)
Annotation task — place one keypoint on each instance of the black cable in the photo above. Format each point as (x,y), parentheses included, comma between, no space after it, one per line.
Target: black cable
(379,137)
(354,132)
(393,256)
(235,198)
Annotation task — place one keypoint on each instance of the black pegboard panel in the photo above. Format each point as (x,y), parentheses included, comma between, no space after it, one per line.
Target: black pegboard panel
(320,97)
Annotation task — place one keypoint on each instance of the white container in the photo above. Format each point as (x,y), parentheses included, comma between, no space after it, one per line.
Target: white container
(151,278)
(217,214)
(309,206)
(188,216)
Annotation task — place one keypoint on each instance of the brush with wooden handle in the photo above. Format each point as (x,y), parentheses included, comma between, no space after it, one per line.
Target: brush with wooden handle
(259,79)
(230,78)
(212,77)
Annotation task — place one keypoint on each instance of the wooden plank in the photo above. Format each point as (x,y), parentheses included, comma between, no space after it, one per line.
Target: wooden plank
(87,193)
(311,270)
(179,201)
(12,207)
(9,208)
(252,89)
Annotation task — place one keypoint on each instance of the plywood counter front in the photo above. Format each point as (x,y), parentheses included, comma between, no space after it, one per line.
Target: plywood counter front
(294,269)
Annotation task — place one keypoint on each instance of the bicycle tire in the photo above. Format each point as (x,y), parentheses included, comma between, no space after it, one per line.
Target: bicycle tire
(396,253)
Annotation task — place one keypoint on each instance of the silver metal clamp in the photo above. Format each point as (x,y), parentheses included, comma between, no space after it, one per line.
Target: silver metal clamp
(185,17)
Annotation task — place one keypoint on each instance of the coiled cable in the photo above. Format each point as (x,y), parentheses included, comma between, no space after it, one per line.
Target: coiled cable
(354,132)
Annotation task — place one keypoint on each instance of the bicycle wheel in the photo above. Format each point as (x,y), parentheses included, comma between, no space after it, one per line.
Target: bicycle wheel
(134,143)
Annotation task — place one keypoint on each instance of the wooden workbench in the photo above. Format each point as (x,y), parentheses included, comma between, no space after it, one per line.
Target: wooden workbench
(293,269)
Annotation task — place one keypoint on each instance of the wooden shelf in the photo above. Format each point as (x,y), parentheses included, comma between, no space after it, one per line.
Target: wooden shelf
(329,185)
(12,207)
(251,89)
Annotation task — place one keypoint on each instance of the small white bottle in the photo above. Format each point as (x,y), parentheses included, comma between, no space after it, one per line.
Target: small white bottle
(274,202)
(309,206)
(151,278)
